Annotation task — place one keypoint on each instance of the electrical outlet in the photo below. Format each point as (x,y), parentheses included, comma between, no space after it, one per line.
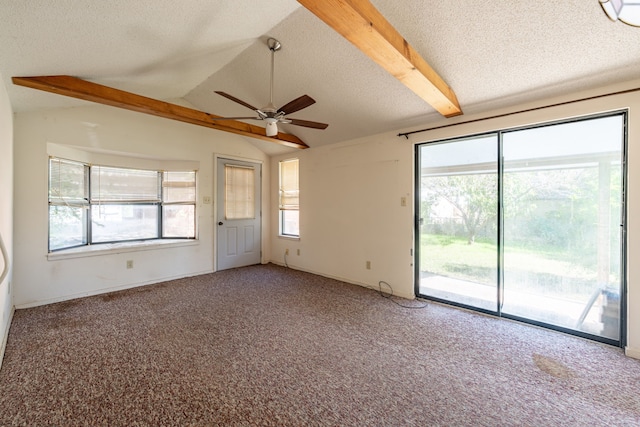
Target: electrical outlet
(286,251)
(129,263)
(206,200)
(368,265)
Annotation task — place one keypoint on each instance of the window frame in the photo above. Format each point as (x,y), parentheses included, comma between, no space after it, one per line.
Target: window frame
(89,201)
(283,207)
(500,132)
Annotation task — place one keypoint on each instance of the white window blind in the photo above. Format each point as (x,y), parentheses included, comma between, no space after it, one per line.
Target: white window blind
(118,184)
(179,204)
(289,205)
(239,192)
(67,182)
(289,192)
(179,187)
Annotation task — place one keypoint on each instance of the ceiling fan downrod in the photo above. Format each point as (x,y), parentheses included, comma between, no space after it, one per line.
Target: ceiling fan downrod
(274,46)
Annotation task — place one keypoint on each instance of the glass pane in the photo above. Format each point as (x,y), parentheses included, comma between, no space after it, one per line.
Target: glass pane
(66,227)
(239,192)
(179,187)
(67,181)
(458,211)
(290,222)
(562,212)
(118,184)
(110,223)
(178,221)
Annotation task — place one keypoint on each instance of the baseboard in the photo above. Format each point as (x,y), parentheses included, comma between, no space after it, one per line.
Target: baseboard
(632,352)
(6,335)
(342,279)
(107,290)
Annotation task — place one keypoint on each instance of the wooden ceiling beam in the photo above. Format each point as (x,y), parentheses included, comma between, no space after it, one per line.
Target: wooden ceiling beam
(88,91)
(363,25)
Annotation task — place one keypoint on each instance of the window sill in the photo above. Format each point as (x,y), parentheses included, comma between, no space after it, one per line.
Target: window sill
(122,247)
(296,238)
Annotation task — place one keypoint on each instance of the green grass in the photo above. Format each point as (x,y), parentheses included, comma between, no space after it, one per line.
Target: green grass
(454,257)
(528,268)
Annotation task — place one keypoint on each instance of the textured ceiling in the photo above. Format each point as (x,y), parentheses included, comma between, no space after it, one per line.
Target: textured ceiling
(492,54)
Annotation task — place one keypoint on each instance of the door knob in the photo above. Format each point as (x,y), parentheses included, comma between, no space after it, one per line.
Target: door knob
(220,223)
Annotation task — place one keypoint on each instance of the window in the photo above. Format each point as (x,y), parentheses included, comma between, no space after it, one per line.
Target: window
(239,192)
(68,203)
(289,198)
(178,205)
(90,204)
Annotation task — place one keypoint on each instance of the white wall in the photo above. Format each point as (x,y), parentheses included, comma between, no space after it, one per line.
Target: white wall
(6,212)
(351,213)
(351,192)
(39,280)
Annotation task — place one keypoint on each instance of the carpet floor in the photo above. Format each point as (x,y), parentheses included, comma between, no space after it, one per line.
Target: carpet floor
(269,346)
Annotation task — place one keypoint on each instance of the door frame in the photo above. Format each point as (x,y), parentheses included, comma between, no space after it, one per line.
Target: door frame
(263,197)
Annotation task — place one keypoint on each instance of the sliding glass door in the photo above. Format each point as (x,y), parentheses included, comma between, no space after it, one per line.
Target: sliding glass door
(458,203)
(527,224)
(562,215)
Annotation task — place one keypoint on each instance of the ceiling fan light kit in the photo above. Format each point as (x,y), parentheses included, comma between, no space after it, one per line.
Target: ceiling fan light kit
(627,11)
(271,127)
(269,113)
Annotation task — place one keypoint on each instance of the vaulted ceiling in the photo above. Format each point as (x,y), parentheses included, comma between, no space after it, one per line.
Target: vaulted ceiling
(491,53)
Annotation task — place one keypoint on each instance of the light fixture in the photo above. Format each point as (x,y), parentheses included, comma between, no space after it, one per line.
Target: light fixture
(627,11)
(272,127)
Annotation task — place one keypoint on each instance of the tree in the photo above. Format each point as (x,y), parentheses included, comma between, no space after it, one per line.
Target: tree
(474,197)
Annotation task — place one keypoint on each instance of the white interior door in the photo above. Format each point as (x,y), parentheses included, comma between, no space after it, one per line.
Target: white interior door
(238,213)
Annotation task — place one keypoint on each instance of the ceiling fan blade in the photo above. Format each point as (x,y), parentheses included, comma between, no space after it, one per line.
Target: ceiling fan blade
(236,118)
(297,104)
(234,99)
(307,123)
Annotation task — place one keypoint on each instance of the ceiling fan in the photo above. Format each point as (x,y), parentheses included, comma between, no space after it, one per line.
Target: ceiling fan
(270,114)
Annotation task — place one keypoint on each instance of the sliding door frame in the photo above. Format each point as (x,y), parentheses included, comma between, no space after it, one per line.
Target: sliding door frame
(621,342)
